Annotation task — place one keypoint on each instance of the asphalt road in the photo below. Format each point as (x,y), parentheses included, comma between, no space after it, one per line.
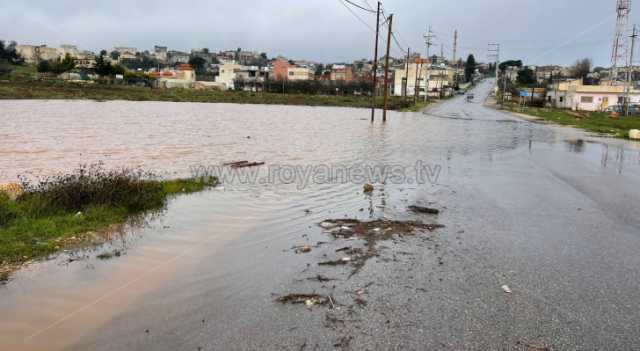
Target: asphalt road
(549,211)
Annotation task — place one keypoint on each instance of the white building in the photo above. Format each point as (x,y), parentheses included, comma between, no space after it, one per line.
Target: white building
(227,74)
(439,78)
(577,96)
(299,73)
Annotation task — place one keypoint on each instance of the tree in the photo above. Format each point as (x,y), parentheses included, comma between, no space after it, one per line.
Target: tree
(44,66)
(9,53)
(199,65)
(526,76)
(114,55)
(66,64)
(510,63)
(470,68)
(581,68)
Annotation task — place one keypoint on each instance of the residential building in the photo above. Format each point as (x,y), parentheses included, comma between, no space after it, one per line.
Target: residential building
(440,79)
(70,50)
(33,54)
(342,73)
(160,53)
(182,77)
(295,73)
(280,68)
(204,54)
(577,96)
(126,50)
(28,53)
(177,57)
(227,74)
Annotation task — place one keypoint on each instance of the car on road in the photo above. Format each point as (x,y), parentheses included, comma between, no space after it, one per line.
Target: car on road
(470,97)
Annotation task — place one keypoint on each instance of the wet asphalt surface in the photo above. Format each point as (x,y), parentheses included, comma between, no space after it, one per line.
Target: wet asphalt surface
(548,211)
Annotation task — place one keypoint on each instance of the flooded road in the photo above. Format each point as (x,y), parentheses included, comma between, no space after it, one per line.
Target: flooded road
(549,211)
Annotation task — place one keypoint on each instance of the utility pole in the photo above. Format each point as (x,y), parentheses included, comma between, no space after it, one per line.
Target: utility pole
(386,70)
(455,47)
(416,87)
(494,52)
(375,67)
(406,76)
(428,37)
(630,71)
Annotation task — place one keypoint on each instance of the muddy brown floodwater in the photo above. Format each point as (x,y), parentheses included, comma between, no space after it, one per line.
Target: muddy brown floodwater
(549,211)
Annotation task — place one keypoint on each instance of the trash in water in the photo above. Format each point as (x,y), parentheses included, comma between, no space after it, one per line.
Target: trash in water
(328,225)
(506,289)
(304,249)
(307,299)
(422,209)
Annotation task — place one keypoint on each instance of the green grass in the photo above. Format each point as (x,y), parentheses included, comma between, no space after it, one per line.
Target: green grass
(16,72)
(417,107)
(63,212)
(596,122)
(32,89)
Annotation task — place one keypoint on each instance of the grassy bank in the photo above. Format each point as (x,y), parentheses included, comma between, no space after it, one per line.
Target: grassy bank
(70,210)
(417,107)
(10,89)
(597,122)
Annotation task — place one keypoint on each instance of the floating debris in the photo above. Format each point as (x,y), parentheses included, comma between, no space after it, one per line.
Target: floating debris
(421,209)
(506,289)
(340,262)
(247,164)
(109,255)
(371,232)
(304,249)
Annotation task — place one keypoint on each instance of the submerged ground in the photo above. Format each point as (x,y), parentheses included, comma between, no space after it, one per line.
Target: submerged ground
(548,211)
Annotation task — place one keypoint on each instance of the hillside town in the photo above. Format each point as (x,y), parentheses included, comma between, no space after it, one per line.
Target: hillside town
(579,87)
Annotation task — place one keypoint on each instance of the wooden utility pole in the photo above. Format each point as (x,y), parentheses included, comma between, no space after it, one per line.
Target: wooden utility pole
(375,67)
(455,48)
(406,76)
(630,71)
(386,70)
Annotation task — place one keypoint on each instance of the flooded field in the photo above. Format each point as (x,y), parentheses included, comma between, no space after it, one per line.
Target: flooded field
(548,210)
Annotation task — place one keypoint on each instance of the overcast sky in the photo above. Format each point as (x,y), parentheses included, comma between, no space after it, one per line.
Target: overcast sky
(538,31)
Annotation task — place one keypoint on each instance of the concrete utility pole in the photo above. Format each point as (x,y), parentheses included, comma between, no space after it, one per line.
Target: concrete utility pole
(416,87)
(375,67)
(494,50)
(630,71)
(428,37)
(406,76)
(386,70)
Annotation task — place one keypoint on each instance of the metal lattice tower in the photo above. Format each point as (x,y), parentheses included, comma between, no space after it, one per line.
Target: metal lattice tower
(620,41)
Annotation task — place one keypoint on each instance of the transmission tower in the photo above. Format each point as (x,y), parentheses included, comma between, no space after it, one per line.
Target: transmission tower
(620,51)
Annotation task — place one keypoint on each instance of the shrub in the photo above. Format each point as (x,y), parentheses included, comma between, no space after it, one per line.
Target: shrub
(92,185)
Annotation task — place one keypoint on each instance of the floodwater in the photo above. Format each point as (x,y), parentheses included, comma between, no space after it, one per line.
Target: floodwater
(549,210)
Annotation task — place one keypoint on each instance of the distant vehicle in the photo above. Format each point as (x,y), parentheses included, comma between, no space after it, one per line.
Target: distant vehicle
(470,97)
(634,109)
(461,92)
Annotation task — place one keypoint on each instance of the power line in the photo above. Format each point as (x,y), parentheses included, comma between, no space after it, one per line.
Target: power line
(358,6)
(356,16)
(369,5)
